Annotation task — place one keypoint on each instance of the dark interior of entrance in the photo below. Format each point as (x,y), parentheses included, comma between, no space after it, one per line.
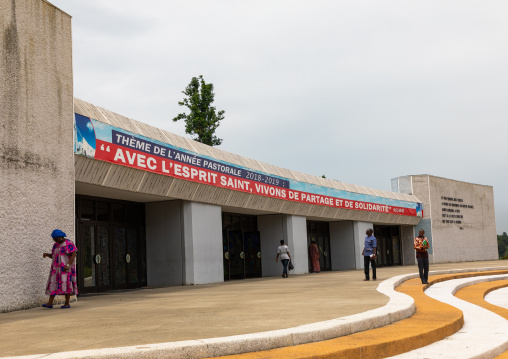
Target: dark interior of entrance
(241,246)
(320,232)
(111,244)
(388,245)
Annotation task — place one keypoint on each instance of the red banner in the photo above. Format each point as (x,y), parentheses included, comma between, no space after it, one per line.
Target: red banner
(129,157)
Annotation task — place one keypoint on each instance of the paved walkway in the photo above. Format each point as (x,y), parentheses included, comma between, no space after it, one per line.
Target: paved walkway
(162,315)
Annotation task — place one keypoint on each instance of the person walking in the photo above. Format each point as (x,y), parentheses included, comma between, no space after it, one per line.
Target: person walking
(285,257)
(62,275)
(421,245)
(369,254)
(314,257)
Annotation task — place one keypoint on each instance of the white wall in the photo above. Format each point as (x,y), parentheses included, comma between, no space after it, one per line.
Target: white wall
(342,245)
(359,229)
(164,252)
(202,230)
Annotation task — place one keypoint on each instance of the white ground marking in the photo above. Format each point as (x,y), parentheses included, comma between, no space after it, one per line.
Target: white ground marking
(498,297)
(484,334)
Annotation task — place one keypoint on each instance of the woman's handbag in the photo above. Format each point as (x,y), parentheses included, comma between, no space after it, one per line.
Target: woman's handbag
(291,266)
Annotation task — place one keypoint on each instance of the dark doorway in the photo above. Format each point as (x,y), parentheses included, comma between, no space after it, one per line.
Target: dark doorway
(388,245)
(111,243)
(320,232)
(241,246)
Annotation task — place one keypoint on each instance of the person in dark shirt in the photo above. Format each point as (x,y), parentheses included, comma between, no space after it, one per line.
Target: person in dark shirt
(369,254)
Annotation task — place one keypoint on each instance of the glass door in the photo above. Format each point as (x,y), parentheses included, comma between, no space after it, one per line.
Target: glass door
(252,247)
(95,255)
(120,258)
(126,258)
(320,232)
(112,244)
(236,255)
(241,246)
(388,245)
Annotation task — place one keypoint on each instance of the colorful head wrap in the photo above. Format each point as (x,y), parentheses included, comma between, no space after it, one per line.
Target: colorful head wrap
(58,233)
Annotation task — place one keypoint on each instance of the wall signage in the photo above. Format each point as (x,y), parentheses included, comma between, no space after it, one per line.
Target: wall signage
(104,142)
(452,208)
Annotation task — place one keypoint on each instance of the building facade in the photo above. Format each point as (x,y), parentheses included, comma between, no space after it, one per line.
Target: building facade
(148,207)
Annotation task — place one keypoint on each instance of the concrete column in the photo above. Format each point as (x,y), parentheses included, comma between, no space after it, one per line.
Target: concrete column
(342,245)
(295,231)
(164,249)
(407,237)
(359,229)
(271,231)
(36,145)
(202,232)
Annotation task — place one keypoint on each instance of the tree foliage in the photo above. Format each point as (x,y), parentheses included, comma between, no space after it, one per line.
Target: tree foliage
(502,245)
(202,119)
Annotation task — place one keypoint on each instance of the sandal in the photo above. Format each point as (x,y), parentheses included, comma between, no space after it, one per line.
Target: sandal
(65,306)
(47,306)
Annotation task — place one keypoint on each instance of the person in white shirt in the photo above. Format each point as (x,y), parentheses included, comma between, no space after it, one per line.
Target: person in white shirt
(285,257)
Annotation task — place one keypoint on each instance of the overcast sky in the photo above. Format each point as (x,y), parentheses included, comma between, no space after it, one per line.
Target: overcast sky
(361,91)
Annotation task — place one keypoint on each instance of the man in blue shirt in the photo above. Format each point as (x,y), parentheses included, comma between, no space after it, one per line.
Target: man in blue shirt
(369,254)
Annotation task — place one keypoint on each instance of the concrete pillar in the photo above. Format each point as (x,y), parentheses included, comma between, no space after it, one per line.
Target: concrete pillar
(164,249)
(407,237)
(342,245)
(202,233)
(359,229)
(295,231)
(36,145)
(271,231)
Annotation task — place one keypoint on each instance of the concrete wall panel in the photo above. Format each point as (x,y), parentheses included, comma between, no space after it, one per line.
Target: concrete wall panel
(475,237)
(164,249)
(407,235)
(359,229)
(295,228)
(342,245)
(202,229)
(36,145)
(271,232)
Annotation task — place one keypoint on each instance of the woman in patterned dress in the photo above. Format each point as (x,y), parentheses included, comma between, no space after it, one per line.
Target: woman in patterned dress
(62,275)
(314,257)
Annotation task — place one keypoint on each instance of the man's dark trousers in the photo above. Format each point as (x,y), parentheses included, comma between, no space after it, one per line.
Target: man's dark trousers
(423,268)
(366,261)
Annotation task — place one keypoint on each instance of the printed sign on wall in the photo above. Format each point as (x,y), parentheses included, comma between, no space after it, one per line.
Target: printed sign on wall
(104,142)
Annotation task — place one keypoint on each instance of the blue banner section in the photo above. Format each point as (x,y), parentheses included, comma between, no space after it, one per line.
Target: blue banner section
(353,196)
(163,150)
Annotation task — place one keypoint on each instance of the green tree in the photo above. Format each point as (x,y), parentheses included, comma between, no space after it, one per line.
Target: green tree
(502,244)
(202,119)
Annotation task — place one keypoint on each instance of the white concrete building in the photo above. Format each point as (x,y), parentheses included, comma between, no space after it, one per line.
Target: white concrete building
(147,207)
